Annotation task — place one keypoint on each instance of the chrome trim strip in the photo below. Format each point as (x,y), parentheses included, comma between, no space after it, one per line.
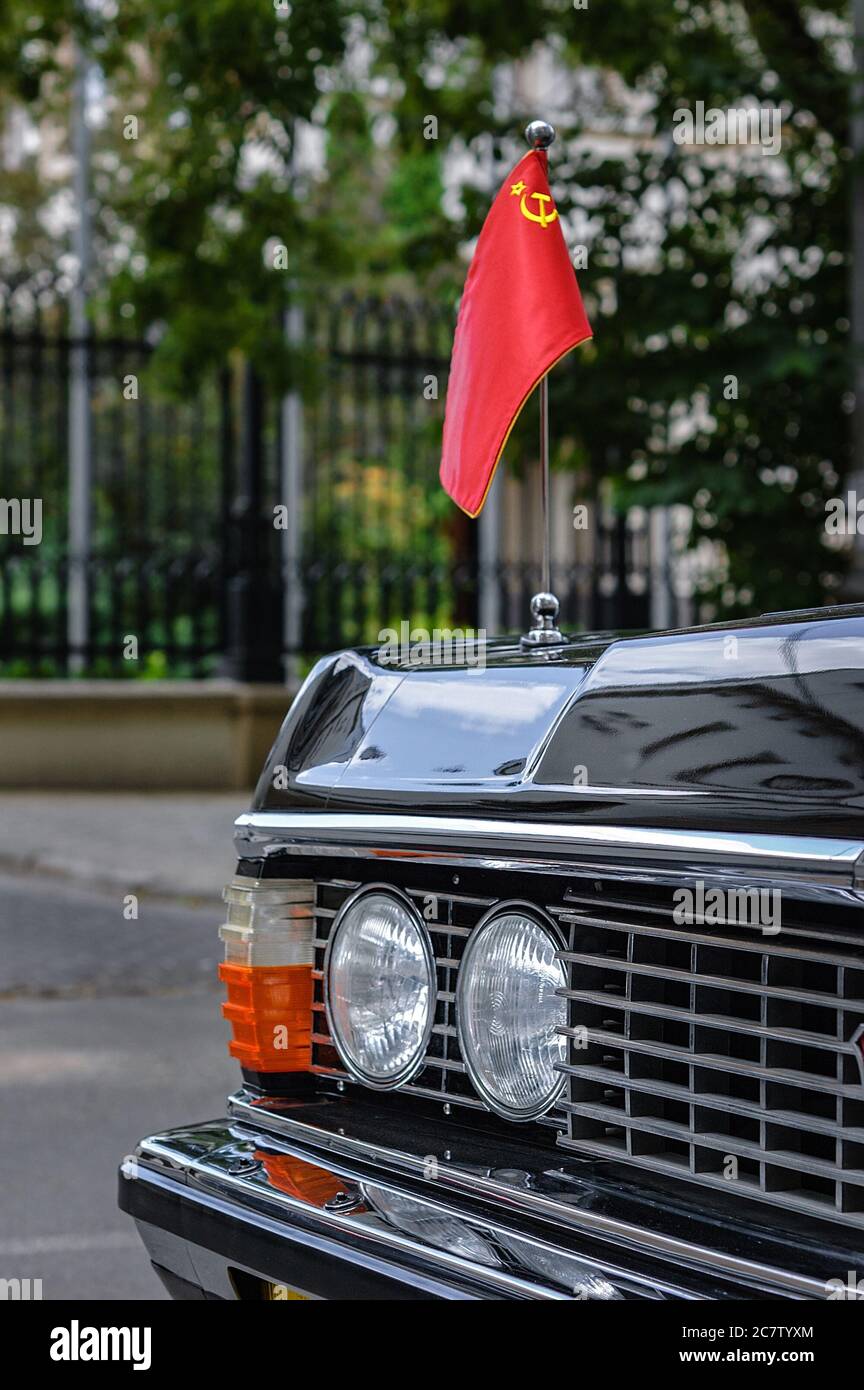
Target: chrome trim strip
(646,1242)
(511,843)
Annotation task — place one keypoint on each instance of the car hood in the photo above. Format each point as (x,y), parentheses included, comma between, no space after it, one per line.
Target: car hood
(752,725)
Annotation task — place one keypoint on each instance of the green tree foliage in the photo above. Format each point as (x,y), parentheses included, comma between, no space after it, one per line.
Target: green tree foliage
(717,284)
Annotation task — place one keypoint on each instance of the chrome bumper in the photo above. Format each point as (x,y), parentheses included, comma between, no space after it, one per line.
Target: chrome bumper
(325,1198)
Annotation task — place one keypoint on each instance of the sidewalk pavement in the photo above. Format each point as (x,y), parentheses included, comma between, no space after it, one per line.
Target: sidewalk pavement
(174,844)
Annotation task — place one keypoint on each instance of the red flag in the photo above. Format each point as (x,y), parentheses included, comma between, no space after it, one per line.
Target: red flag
(521,311)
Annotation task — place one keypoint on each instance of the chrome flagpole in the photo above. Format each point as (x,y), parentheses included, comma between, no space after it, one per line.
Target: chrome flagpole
(544,606)
(546,577)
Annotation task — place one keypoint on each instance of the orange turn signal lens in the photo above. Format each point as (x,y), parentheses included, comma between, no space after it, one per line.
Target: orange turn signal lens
(270,1012)
(267,970)
(306,1181)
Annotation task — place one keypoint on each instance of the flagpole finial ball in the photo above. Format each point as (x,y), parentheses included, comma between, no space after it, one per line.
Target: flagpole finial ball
(544,613)
(539,134)
(544,606)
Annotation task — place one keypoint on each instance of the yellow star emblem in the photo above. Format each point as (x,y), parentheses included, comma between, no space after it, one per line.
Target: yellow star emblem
(517,188)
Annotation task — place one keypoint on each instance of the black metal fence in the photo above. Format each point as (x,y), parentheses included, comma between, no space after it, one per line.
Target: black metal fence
(232,528)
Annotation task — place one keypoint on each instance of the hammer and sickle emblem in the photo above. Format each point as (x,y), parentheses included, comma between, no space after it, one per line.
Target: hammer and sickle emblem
(543,216)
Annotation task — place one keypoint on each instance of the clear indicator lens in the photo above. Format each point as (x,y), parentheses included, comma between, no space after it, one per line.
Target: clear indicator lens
(428,1224)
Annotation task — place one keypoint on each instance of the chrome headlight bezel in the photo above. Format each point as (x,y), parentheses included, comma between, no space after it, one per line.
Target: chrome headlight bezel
(389,1083)
(514,907)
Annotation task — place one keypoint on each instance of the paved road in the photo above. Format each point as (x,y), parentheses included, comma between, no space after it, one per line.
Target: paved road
(109,1029)
(173,843)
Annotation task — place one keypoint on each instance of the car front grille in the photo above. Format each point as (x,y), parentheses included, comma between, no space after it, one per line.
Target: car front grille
(719,1055)
(710,1053)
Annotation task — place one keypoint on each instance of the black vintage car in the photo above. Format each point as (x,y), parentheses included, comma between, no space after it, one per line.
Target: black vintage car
(546,976)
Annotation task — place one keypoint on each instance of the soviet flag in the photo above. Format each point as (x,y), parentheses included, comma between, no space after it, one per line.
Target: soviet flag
(521,312)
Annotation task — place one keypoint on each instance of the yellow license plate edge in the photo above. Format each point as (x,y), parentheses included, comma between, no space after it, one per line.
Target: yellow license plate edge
(286,1293)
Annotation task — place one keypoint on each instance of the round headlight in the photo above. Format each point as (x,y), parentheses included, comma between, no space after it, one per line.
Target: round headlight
(508,1012)
(380,994)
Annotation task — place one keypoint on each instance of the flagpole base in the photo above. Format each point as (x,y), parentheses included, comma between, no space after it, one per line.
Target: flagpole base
(543,632)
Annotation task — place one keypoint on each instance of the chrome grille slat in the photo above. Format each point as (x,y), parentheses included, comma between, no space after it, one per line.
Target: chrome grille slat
(723,1144)
(792,996)
(644,1006)
(701,939)
(448,1064)
(567,913)
(716,1102)
(451,897)
(728,1060)
(430,1093)
(716,1062)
